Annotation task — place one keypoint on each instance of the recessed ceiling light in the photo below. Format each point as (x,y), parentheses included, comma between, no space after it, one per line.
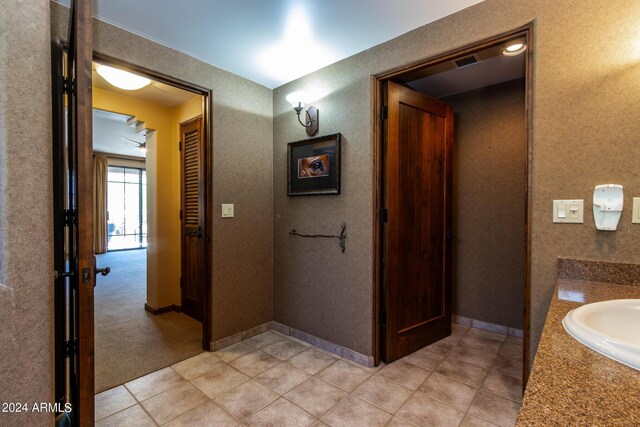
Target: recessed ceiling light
(122,79)
(515,47)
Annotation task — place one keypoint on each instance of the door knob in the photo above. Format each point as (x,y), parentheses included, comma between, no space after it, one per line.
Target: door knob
(103,271)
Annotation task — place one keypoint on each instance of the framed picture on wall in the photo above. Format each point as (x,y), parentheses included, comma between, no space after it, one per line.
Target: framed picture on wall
(314,166)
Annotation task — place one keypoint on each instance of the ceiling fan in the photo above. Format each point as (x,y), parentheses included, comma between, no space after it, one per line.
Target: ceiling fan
(142,146)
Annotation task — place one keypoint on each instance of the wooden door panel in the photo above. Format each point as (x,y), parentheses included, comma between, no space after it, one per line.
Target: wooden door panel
(417,198)
(193,218)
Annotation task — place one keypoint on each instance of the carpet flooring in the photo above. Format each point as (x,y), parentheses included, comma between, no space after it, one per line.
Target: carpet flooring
(129,341)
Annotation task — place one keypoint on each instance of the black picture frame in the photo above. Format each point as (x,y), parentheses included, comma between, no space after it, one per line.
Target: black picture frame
(313,166)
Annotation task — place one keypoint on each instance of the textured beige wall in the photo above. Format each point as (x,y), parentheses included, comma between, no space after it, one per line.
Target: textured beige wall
(489,157)
(26,235)
(243,139)
(585,100)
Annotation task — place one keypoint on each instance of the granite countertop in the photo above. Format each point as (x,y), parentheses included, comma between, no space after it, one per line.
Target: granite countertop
(570,384)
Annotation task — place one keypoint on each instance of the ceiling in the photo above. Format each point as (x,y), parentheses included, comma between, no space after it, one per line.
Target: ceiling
(272,42)
(449,78)
(108,130)
(156,92)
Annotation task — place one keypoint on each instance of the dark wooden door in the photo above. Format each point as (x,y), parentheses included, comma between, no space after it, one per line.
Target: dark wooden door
(73,207)
(418,137)
(193,217)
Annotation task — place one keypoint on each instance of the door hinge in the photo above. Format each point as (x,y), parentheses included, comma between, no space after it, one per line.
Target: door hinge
(69,217)
(383,318)
(181,282)
(70,347)
(68,85)
(180,213)
(179,145)
(384,112)
(384,215)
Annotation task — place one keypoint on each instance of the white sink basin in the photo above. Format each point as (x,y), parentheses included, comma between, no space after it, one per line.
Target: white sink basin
(612,328)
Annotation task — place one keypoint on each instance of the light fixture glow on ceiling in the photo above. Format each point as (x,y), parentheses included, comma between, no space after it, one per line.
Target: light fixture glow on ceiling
(514,48)
(298,52)
(122,79)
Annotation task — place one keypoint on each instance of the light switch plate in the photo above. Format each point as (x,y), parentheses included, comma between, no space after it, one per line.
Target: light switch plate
(227,210)
(568,211)
(635,218)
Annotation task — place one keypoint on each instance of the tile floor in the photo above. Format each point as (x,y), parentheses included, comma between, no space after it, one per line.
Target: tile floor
(472,378)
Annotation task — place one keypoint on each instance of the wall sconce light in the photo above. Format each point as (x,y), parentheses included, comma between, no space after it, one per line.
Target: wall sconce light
(296,99)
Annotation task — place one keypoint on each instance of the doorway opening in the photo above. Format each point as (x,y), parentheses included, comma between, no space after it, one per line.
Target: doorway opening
(452,235)
(144,320)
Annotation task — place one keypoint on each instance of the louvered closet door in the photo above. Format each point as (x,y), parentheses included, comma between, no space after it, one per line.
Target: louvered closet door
(193,247)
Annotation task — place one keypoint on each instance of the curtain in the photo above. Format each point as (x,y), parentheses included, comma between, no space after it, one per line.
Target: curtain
(100,169)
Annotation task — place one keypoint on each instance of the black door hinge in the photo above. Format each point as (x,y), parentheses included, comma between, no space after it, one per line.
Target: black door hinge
(180,213)
(383,318)
(69,217)
(384,112)
(70,347)
(68,85)
(384,215)
(179,145)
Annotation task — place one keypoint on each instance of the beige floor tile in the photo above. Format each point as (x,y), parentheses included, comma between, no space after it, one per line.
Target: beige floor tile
(383,393)
(220,380)
(511,351)
(399,422)
(208,415)
(344,375)
(447,390)
(425,411)
(471,421)
(111,401)
(482,343)
(134,416)
(509,367)
(285,349)
(312,360)
(503,385)
(246,399)
(154,383)
(315,396)
(282,378)
(354,412)
(479,358)
(461,371)
(458,329)
(441,347)
(281,413)
(255,363)
(424,359)
(404,373)
(264,339)
(487,334)
(197,365)
(320,423)
(235,351)
(514,340)
(174,402)
(495,409)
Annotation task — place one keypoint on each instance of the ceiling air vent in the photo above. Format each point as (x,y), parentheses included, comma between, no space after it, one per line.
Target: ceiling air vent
(467,60)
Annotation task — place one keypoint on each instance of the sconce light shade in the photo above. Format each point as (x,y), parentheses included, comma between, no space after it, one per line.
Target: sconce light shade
(296,99)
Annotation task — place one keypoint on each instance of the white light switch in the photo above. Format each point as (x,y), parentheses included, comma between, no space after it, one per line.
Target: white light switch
(227,210)
(568,211)
(635,219)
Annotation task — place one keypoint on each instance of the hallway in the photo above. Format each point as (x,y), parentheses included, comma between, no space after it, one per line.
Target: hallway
(471,378)
(129,341)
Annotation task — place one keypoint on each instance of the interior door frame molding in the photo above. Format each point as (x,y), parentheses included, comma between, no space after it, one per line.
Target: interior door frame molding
(207,117)
(377,81)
